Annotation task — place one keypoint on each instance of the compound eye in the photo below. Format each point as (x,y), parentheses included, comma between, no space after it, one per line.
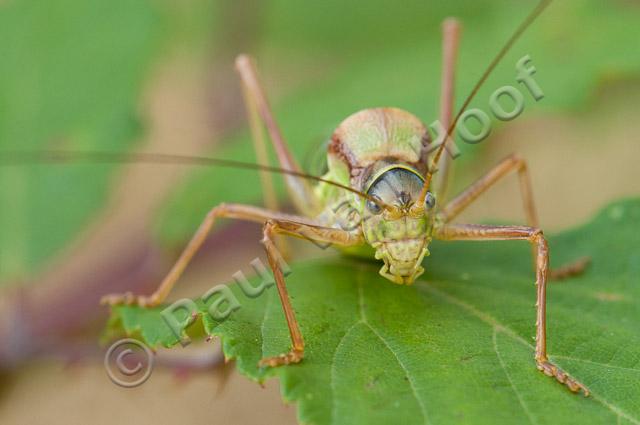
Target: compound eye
(374,207)
(430,200)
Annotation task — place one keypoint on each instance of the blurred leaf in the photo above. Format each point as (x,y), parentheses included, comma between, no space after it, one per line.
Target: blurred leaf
(333,58)
(70,77)
(456,347)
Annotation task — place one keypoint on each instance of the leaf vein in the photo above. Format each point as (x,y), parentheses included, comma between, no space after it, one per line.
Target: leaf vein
(504,368)
(423,408)
(491,321)
(332,380)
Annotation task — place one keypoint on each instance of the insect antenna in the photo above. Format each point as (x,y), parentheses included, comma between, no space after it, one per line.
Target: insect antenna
(13,158)
(542,5)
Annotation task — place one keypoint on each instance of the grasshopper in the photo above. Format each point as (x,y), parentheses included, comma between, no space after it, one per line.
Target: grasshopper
(382,164)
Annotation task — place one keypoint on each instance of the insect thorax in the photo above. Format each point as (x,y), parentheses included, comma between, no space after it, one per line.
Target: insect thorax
(366,147)
(373,138)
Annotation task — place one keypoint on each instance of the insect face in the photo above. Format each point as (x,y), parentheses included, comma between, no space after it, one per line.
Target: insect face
(401,233)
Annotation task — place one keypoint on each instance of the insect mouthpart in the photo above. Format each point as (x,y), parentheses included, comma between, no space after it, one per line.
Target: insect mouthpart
(402,259)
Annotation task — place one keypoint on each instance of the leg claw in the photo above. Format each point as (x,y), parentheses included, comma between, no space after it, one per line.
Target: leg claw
(292,357)
(561,376)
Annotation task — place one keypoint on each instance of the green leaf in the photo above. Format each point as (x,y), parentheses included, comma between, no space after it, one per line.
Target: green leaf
(391,57)
(70,76)
(457,346)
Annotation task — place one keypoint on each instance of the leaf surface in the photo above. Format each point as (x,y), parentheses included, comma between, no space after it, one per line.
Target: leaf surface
(456,347)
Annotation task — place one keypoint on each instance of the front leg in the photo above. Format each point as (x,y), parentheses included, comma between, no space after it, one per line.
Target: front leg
(512,163)
(237,211)
(475,232)
(305,231)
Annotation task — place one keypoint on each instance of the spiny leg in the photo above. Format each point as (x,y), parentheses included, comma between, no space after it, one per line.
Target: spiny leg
(237,211)
(300,190)
(275,223)
(306,231)
(536,238)
(470,194)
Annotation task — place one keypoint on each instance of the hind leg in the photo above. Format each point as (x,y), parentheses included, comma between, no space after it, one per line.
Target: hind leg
(260,113)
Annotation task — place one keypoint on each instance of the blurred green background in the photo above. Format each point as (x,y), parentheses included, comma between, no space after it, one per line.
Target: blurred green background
(157,76)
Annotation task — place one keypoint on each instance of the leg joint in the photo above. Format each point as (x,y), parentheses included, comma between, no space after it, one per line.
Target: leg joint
(518,161)
(217,210)
(268,230)
(537,235)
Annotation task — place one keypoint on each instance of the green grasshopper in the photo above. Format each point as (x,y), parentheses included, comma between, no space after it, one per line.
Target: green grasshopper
(381,165)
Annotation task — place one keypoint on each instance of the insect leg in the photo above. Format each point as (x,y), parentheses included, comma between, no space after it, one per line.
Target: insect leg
(450,39)
(260,146)
(536,238)
(237,211)
(480,186)
(300,190)
(316,233)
